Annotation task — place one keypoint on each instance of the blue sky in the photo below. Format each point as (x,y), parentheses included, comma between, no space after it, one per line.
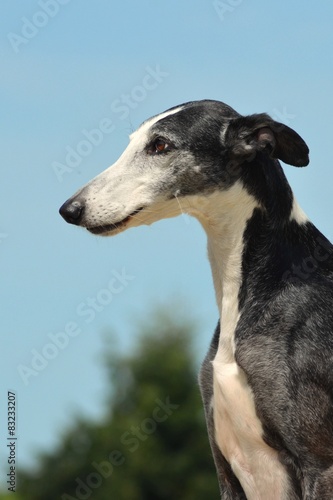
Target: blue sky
(70,67)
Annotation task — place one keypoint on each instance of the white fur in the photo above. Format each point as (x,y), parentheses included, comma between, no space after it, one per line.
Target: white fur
(129,184)
(238,431)
(298,214)
(140,134)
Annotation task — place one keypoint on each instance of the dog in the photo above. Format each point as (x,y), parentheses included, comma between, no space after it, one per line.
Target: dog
(267,380)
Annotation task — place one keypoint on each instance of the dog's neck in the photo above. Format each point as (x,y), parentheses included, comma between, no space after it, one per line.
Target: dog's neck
(225,216)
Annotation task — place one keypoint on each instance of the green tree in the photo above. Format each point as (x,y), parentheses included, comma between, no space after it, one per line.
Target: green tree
(152,443)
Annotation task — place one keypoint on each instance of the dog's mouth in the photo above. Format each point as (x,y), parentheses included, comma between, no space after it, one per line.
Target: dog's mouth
(108,228)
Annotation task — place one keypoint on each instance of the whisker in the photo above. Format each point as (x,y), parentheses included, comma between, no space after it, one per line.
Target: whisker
(137,218)
(184,214)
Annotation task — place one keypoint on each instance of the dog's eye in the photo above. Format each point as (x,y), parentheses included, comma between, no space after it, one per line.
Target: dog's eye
(158,146)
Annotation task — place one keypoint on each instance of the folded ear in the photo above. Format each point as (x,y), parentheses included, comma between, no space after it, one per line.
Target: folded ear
(246,135)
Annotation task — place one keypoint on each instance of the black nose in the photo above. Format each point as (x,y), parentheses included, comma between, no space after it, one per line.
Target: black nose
(72,211)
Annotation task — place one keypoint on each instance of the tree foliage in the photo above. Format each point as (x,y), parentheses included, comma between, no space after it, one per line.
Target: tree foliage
(152,443)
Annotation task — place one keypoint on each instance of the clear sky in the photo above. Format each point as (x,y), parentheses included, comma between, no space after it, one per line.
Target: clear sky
(68,67)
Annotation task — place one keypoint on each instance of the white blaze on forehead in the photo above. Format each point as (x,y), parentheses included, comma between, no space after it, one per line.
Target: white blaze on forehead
(138,140)
(142,131)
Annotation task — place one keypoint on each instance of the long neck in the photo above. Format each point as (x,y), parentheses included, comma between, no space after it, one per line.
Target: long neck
(254,240)
(225,229)
(224,216)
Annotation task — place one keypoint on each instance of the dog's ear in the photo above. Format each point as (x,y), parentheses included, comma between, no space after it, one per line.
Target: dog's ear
(246,135)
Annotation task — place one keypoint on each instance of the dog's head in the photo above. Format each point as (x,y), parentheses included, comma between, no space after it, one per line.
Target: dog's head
(175,159)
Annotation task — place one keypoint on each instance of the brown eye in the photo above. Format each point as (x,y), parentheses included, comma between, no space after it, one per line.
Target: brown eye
(159,145)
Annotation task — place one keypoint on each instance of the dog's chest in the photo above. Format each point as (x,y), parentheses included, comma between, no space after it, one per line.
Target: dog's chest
(238,433)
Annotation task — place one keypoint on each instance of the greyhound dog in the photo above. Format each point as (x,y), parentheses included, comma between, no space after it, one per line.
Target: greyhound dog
(267,380)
